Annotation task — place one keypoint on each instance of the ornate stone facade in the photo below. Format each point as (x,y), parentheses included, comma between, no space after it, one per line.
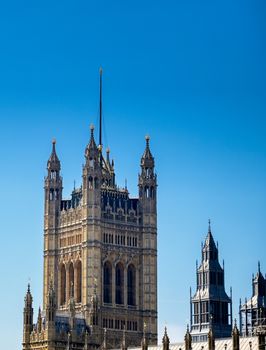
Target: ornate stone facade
(100,258)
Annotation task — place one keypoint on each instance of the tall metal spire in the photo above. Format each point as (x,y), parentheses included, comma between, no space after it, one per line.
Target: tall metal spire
(100,126)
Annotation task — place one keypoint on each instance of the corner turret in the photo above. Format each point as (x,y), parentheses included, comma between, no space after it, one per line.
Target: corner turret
(148,185)
(92,178)
(53,187)
(235,337)
(27,317)
(166,340)
(53,197)
(188,340)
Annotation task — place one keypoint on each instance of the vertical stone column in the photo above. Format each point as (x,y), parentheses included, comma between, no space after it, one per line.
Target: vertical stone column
(67,283)
(75,282)
(125,285)
(113,284)
(59,287)
(137,287)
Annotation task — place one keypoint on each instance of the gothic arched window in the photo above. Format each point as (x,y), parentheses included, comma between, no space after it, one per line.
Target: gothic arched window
(119,284)
(71,280)
(62,285)
(90,183)
(147,192)
(107,282)
(131,285)
(78,281)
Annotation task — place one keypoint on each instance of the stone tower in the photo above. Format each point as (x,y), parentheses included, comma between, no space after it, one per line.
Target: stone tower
(211,308)
(252,313)
(100,256)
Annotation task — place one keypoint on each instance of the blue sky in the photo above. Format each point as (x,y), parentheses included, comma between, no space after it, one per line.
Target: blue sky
(190,74)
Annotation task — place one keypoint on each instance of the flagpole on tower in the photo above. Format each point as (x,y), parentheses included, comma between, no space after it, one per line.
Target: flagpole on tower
(100,128)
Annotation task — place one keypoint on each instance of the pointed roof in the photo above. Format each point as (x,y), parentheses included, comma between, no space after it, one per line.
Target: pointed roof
(259,275)
(92,151)
(53,162)
(28,297)
(92,143)
(259,285)
(166,339)
(147,152)
(147,159)
(209,241)
(235,329)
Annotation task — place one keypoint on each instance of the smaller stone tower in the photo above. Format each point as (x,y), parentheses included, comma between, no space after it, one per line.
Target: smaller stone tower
(165,340)
(53,197)
(252,313)
(147,205)
(210,305)
(235,337)
(27,319)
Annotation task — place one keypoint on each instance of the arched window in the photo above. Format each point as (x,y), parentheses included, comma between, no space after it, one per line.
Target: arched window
(91,162)
(147,192)
(71,280)
(78,281)
(62,285)
(119,284)
(107,282)
(131,285)
(90,183)
(51,195)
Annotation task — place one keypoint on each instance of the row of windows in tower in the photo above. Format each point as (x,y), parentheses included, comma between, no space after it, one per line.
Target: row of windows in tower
(120,324)
(120,240)
(214,278)
(217,310)
(53,194)
(54,175)
(147,192)
(120,287)
(67,241)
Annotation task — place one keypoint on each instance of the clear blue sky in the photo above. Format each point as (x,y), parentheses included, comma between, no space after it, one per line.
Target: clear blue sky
(189,73)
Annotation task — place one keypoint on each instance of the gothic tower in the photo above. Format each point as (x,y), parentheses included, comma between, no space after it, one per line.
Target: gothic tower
(252,313)
(27,319)
(100,256)
(211,308)
(52,205)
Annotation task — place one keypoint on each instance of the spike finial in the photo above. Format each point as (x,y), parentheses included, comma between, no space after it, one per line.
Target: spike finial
(259,266)
(53,143)
(209,226)
(147,138)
